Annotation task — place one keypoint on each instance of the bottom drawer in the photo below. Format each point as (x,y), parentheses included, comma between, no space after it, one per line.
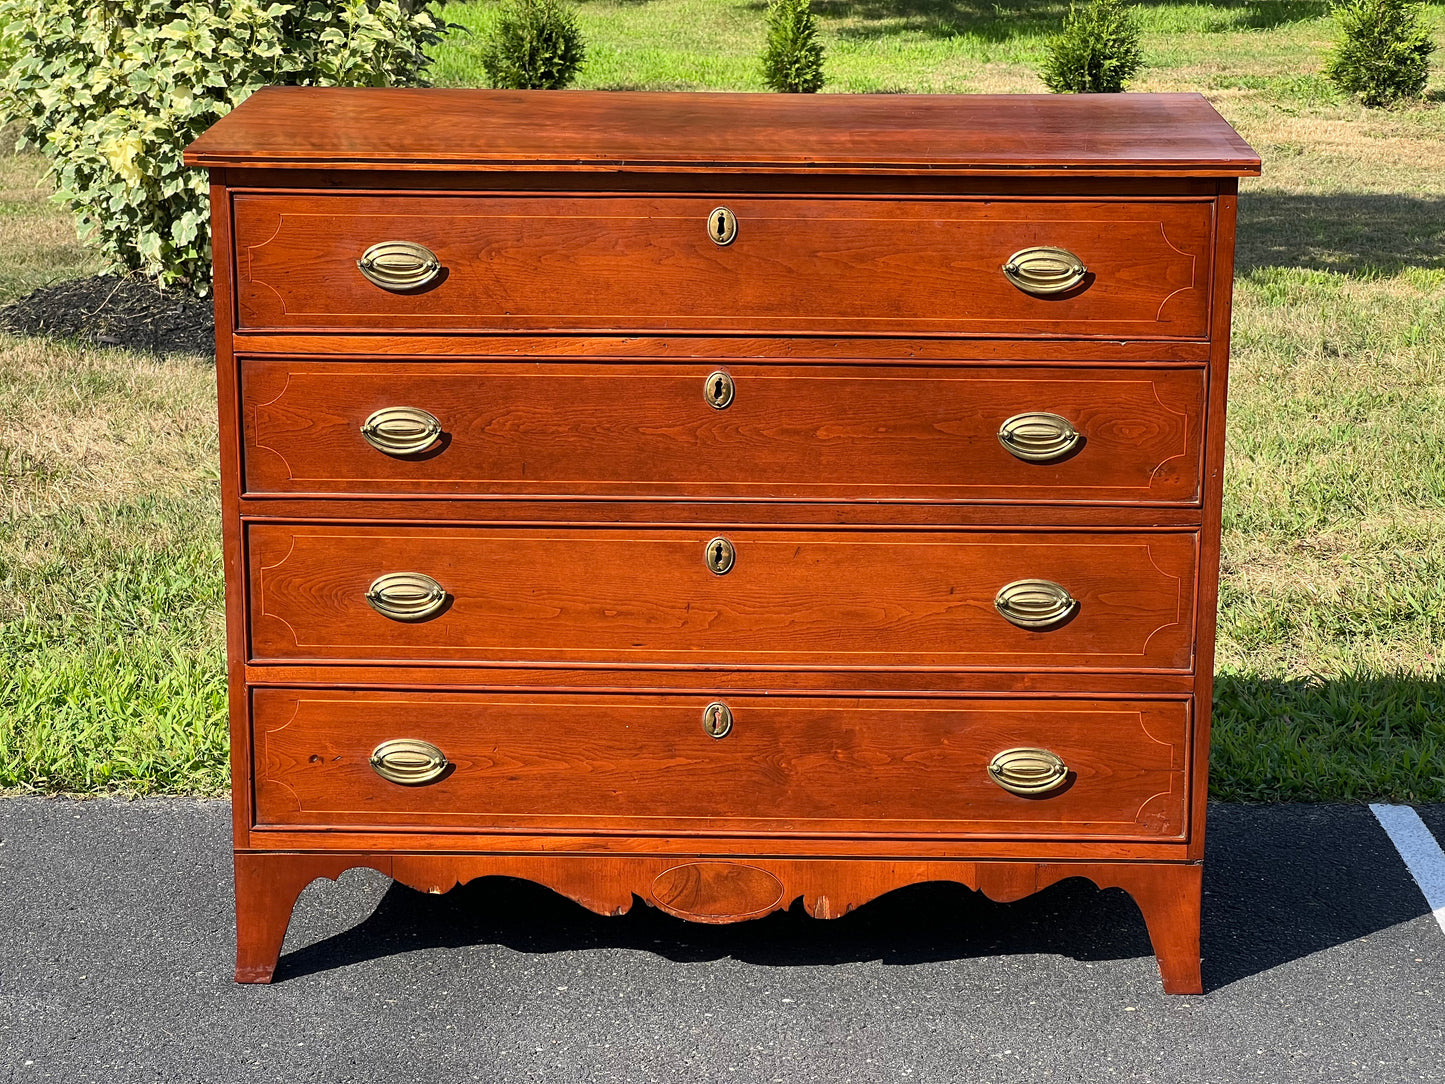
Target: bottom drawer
(648,764)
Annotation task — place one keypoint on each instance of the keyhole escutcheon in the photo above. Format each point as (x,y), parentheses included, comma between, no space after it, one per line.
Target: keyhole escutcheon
(720,556)
(717,719)
(722,226)
(718,390)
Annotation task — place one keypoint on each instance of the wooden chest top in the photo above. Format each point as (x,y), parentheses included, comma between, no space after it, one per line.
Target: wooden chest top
(1163,135)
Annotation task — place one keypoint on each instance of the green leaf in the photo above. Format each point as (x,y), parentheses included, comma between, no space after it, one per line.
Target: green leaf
(99,74)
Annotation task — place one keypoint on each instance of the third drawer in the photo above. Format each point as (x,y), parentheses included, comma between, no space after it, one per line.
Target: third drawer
(638,597)
(1011,433)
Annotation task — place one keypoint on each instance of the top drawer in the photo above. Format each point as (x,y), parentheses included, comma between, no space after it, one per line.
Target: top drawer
(823,265)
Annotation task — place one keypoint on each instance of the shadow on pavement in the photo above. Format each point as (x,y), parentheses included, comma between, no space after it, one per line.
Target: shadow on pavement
(1281,883)
(914,925)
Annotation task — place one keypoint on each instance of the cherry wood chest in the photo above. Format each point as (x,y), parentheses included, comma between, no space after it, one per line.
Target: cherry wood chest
(722,500)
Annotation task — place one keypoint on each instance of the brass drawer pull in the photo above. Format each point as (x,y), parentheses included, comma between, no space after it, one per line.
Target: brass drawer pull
(401,430)
(722,226)
(409,762)
(1042,270)
(399,265)
(720,556)
(717,719)
(1038,437)
(406,596)
(1028,772)
(718,390)
(1034,604)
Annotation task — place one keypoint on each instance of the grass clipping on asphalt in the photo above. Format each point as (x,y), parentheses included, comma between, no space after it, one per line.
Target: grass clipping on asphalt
(1331,661)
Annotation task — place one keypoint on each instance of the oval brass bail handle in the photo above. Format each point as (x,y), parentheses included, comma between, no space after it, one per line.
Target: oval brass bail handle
(717,719)
(1034,604)
(720,556)
(406,596)
(722,226)
(1038,437)
(1042,270)
(401,430)
(718,390)
(409,762)
(399,265)
(1028,772)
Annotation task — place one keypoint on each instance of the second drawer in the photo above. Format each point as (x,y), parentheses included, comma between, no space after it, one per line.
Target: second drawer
(1048,434)
(641,597)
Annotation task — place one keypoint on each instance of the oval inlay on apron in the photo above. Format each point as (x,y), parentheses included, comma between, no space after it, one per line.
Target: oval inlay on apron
(716,891)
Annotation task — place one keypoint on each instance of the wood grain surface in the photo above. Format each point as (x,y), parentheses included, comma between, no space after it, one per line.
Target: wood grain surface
(872,350)
(821,433)
(600,263)
(1210,536)
(738,513)
(810,599)
(1168,894)
(1041,134)
(709,680)
(886,846)
(646,764)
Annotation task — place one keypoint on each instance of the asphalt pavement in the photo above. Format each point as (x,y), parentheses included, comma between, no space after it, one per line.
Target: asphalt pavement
(1321,961)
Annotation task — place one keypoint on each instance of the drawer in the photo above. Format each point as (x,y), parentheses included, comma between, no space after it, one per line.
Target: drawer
(723,430)
(834,266)
(646,764)
(790,599)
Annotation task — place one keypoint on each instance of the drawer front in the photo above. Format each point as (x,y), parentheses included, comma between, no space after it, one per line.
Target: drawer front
(729,430)
(831,266)
(640,597)
(644,764)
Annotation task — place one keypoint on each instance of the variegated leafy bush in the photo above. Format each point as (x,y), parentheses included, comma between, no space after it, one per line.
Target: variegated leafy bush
(113,90)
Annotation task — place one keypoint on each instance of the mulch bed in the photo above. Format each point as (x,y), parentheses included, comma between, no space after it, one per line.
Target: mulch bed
(114,310)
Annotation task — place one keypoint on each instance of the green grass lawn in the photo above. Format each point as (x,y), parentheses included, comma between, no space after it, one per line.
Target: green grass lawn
(1331,669)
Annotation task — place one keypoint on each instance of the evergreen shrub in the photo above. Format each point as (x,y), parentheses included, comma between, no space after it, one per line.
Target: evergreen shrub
(1097,52)
(535,45)
(793,56)
(1382,52)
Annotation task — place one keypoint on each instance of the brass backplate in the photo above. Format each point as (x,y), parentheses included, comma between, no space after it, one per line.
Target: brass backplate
(717,719)
(1037,437)
(1029,773)
(718,390)
(401,430)
(1044,270)
(406,596)
(722,226)
(399,266)
(720,556)
(409,762)
(1034,604)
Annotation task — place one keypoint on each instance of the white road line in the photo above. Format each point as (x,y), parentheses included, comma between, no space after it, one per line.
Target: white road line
(1422,854)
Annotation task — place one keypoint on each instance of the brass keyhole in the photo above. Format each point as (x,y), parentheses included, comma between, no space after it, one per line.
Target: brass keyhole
(718,391)
(720,556)
(722,226)
(717,719)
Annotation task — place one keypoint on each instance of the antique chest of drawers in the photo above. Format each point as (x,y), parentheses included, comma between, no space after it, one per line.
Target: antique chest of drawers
(722,500)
